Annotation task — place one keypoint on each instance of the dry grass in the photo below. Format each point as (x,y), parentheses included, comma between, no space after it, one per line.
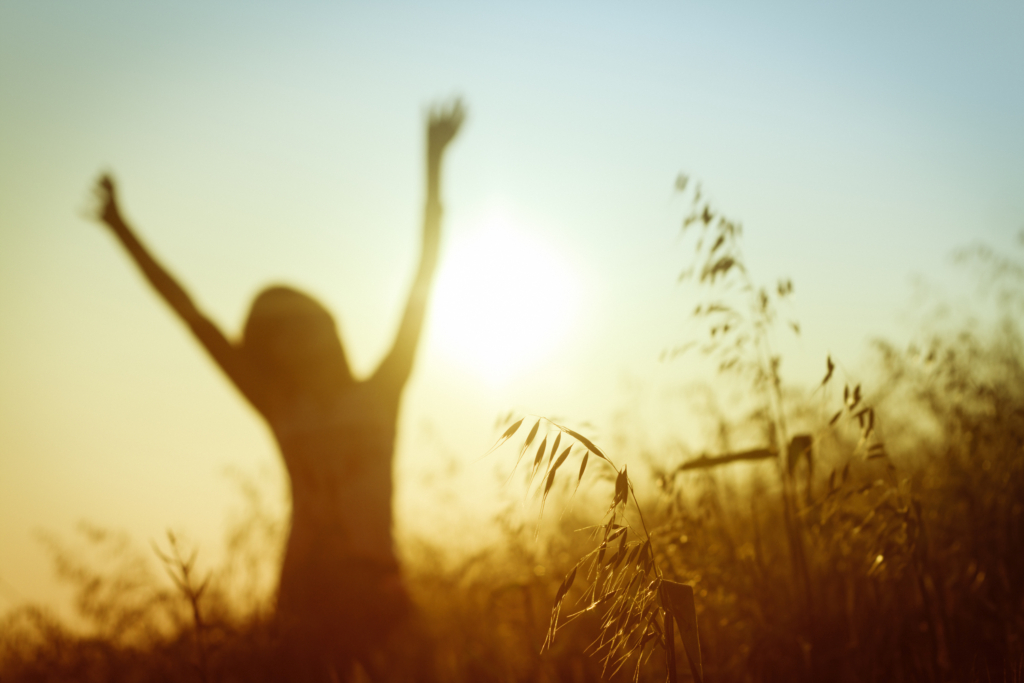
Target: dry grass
(834,558)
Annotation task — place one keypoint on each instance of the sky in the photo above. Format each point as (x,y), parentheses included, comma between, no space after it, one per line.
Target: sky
(258,143)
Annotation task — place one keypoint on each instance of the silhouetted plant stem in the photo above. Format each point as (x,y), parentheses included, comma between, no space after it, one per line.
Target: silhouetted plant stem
(670,648)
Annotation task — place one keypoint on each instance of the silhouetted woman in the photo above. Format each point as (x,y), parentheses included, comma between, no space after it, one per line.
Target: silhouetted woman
(340,590)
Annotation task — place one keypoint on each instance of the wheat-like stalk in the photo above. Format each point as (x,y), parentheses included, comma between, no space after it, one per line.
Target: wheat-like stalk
(636,603)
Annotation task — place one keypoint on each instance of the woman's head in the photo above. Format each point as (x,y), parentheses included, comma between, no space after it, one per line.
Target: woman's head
(293,338)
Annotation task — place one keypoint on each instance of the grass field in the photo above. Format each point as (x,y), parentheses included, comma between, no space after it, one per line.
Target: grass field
(887,546)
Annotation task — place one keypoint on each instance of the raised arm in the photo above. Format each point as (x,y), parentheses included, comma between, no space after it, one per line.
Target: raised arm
(442,128)
(209,335)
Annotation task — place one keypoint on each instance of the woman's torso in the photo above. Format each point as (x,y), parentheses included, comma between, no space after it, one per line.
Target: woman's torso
(339,456)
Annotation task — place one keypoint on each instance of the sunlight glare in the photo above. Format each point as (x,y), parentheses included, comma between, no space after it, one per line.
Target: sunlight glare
(504,300)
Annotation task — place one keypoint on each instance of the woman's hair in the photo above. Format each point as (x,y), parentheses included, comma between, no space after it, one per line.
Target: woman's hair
(291,337)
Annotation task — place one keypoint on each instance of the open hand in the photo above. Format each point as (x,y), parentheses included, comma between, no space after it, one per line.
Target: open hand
(106,195)
(443,125)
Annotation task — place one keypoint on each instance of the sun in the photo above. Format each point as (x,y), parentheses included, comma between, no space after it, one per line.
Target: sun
(504,299)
